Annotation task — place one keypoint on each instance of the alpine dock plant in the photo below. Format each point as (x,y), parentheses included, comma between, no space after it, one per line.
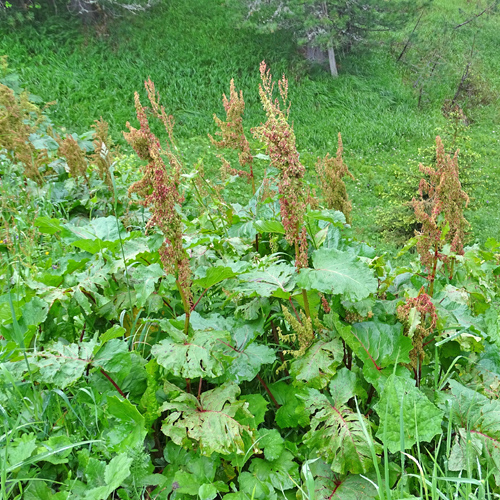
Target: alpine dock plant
(278,136)
(382,384)
(440,212)
(159,190)
(233,136)
(331,172)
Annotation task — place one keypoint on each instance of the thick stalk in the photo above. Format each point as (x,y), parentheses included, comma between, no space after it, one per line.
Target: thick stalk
(306,303)
(432,276)
(185,304)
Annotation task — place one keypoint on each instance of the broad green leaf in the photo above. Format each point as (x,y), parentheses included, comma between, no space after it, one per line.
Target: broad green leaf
(207,492)
(282,473)
(213,275)
(102,228)
(253,487)
(200,355)
(339,273)
(271,441)
(400,399)
(378,345)
(55,443)
(46,225)
(146,279)
(114,356)
(126,425)
(479,421)
(318,364)
(61,364)
(113,333)
(344,385)
(337,435)
(115,473)
(21,448)
(212,423)
(276,280)
(292,411)
(353,487)
(247,363)
(259,408)
(269,226)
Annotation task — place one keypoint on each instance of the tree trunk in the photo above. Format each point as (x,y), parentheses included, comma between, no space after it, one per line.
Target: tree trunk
(333,63)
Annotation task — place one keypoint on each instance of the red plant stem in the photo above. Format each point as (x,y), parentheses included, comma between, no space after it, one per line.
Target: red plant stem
(188,385)
(273,399)
(199,387)
(193,307)
(115,385)
(83,331)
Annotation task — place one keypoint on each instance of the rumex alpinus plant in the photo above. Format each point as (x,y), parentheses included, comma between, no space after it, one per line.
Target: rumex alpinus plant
(75,157)
(440,212)
(419,313)
(18,120)
(233,136)
(104,153)
(278,136)
(159,190)
(331,172)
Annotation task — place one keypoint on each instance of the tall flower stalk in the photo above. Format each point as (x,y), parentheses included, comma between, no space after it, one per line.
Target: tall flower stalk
(233,136)
(440,212)
(159,190)
(278,136)
(331,172)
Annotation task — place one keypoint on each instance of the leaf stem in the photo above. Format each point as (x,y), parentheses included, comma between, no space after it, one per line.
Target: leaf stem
(115,385)
(306,303)
(273,399)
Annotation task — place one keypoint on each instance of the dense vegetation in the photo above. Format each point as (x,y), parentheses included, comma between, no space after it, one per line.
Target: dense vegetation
(191,316)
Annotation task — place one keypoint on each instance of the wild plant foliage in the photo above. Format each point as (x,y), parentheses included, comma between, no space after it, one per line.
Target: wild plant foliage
(151,349)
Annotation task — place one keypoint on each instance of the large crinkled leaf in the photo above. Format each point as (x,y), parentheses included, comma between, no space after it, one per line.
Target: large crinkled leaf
(246,363)
(337,435)
(276,280)
(338,273)
(378,345)
(401,403)
(344,385)
(200,355)
(318,364)
(281,473)
(146,279)
(479,421)
(61,364)
(211,423)
(353,487)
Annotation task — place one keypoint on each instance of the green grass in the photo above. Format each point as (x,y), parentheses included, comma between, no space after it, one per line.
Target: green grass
(192,49)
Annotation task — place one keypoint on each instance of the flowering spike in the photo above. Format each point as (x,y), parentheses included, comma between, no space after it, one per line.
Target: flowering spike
(331,172)
(278,136)
(441,205)
(159,188)
(233,135)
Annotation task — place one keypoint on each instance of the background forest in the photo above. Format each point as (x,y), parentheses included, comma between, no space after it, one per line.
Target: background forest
(249,250)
